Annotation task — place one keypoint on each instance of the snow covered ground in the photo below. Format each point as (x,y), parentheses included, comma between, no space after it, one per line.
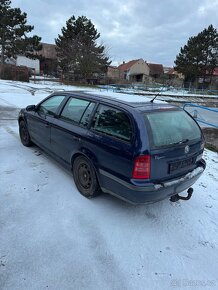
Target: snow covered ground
(51,237)
(180,93)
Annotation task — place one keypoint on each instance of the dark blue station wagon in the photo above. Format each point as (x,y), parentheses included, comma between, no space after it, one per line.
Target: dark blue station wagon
(140,152)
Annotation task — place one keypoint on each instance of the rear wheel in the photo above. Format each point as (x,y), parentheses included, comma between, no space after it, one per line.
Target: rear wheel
(85,177)
(24,134)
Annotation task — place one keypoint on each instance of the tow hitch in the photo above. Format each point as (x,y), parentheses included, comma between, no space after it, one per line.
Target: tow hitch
(177,197)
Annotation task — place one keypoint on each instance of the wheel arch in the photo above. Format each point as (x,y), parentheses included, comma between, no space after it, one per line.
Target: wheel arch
(21,118)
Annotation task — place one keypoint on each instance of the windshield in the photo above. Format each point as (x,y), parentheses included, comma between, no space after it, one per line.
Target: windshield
(172,127)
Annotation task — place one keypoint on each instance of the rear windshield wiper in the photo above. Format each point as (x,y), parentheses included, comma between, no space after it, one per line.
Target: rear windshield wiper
(180,142)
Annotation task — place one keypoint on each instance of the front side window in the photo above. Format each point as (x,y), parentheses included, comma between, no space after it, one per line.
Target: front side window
(75,109)
(113,122)
(50,106)
(172,127)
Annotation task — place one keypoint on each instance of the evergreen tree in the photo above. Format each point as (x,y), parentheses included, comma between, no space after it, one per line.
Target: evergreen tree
(13,30)
(77,48)
(199,56)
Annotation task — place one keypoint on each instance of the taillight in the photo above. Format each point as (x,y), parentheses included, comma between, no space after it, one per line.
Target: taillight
(142,167)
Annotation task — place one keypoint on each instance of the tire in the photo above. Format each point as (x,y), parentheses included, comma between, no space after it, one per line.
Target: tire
(24,134)
(85,177)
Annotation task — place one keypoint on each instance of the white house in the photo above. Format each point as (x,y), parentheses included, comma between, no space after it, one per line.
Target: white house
(28,62)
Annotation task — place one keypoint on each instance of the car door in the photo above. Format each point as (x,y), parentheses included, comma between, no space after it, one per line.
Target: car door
(39,122)
(70,129)
(111,139)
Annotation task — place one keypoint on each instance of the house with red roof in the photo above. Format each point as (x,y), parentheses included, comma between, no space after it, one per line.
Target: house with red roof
(112,72)
(171,73)
(214,79)
(134,71)
(209,80)
(156,70)
(48,58)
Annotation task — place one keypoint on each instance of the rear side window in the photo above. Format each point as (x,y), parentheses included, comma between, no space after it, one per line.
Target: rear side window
(113,122)
(75,110)
(171,127)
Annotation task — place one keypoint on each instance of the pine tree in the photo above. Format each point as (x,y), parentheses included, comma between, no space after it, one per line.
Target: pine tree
(199,56)
(77,48)
(13,33)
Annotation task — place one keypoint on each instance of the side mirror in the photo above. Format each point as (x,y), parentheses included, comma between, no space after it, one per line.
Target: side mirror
(31,108)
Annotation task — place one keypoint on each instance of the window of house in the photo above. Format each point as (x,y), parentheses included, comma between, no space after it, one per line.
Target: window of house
(113,122)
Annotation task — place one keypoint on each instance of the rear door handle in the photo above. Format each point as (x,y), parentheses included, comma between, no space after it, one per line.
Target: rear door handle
(47,125)
(76,138)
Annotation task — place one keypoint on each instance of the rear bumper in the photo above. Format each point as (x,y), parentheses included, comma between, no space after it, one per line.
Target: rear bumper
(140,192)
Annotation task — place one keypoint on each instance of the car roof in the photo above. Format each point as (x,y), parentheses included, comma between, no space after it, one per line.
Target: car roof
(122,101)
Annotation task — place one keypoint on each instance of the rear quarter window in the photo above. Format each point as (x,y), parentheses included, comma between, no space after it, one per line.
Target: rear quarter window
(171,127)
(113,122)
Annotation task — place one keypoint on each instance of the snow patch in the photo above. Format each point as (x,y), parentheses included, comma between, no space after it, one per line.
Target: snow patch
(189,175)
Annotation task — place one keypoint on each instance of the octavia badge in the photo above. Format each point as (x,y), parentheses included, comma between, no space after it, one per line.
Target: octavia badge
(187,149)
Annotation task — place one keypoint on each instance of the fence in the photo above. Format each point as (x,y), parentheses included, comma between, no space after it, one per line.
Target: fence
(12,72)
(206,116)
(155,88)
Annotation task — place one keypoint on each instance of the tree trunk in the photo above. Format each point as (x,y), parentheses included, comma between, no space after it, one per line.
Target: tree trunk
(2,55)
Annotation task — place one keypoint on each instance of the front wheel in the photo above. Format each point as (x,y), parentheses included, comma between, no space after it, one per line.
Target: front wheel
(24,134)
(85,177)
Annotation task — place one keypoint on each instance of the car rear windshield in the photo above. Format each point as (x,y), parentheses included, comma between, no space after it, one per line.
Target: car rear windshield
(171,127)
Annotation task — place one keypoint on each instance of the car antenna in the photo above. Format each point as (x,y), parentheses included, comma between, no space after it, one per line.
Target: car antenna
(156,95)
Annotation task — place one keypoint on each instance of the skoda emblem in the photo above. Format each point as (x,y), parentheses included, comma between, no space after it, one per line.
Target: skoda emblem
(187,149)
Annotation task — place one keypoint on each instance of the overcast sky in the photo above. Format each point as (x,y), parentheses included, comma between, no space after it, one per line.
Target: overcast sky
(151,29)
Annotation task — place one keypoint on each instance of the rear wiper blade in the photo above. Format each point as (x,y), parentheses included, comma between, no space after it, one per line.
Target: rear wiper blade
(181,142)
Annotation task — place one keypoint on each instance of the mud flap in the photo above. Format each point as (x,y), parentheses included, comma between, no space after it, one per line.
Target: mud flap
(177,197)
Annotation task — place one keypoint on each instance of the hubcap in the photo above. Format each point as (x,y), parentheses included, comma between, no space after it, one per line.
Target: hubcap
(84,175)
